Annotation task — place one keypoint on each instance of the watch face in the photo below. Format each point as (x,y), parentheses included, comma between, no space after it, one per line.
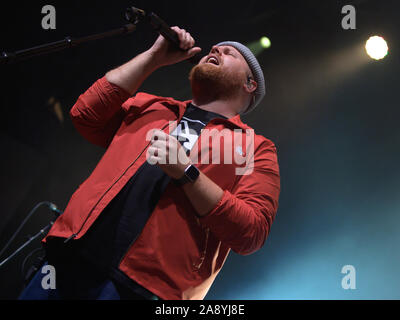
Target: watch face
(192,173)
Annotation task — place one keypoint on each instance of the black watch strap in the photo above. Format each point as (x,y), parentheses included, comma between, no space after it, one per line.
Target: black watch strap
(190,175)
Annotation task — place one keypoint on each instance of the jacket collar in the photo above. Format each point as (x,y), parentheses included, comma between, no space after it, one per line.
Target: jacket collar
(179,107)
(235,121)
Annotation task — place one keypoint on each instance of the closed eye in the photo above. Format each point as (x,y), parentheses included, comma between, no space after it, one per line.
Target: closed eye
(230,52)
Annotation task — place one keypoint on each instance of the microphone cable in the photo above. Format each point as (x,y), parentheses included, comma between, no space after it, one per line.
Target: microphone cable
(51,206)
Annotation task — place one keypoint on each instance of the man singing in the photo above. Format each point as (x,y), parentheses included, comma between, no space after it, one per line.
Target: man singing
(150,225)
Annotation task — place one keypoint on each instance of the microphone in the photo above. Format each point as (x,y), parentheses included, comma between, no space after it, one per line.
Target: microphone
(133,15)
(54,208)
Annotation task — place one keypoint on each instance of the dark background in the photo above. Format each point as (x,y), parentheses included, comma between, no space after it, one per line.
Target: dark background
(330,110)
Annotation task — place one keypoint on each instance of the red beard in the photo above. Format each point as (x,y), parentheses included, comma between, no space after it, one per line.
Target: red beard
(210,83)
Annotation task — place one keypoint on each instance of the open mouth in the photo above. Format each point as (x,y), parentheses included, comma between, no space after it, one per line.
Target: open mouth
(212,60)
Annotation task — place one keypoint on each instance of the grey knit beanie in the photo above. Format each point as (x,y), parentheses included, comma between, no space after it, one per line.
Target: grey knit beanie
(255,69)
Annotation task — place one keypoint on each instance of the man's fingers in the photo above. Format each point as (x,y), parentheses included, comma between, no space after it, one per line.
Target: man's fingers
(186,41)
(152,151)
(192,42)
(181,37)
(159,135)
(189,41)
(167,55)
(157,155)
(159,144)
(152,155)
(164,146)
(194,51)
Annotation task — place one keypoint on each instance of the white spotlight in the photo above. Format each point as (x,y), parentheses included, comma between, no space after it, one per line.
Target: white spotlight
(376,47)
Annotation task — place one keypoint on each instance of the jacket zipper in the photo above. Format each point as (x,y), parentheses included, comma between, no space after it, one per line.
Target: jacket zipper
(91,211)
(203,254)
(133,241)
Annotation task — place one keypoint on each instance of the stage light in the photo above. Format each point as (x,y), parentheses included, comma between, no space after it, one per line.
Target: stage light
(376,47)
(265,42)
(258,46)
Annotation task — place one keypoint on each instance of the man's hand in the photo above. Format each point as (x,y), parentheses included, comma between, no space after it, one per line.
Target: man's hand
(166,151)
(131,75)
(165,53)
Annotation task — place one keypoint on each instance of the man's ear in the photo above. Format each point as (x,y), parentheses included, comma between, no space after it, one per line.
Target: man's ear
(250,86)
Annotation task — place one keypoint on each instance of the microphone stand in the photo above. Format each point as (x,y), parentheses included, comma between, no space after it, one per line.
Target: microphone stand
(68,42)
(132,15)
(41,232)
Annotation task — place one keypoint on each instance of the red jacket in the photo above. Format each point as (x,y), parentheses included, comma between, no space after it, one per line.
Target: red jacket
(178,254)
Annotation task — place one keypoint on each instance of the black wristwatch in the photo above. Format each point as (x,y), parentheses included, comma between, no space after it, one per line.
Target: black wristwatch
(190,175)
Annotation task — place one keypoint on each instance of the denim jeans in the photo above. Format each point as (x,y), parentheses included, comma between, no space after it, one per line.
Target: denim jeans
(72,285)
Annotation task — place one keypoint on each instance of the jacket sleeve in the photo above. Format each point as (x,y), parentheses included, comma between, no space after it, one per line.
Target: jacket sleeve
(242,219)
(98,112)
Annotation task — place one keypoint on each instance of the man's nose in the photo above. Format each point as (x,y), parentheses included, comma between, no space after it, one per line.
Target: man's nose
(216,49)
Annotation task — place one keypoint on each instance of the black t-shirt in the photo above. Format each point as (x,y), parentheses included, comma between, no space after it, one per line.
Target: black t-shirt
(121,222)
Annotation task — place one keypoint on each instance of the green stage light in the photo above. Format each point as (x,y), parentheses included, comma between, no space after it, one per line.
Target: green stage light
(265,42)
